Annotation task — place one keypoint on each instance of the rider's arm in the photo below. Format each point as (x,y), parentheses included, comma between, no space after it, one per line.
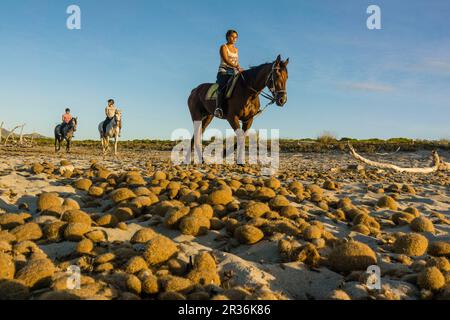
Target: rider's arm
(62,118)
(239,66)
(224,55)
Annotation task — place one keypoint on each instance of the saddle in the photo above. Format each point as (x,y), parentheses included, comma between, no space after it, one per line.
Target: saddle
(212,91)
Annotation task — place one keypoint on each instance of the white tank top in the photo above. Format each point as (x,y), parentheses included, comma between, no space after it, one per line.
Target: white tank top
(234,58)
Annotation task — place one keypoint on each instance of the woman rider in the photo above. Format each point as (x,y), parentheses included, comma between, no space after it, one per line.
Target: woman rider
(110,112)
(229,66)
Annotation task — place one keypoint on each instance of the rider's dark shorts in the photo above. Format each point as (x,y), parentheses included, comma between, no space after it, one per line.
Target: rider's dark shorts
(106,122)
(222,79)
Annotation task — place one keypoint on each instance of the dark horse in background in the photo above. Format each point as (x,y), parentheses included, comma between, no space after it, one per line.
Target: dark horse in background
(244,104)
(67,134)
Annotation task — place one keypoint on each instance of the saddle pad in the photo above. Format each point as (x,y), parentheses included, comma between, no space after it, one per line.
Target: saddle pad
(212,91)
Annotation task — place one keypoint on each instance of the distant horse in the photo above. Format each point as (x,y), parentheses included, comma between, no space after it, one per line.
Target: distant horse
(112,131)
(67,134)
(244,103)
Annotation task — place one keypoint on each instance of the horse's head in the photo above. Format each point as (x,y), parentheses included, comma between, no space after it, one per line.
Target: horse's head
(74,123)
(277,81)
(118,118)
(118,115)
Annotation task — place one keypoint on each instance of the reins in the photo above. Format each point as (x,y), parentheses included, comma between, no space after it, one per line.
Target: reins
(70,127)
(270,97)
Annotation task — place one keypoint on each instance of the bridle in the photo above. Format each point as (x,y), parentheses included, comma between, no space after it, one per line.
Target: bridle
(118,121)
(272,87)
(72,124)
(274,93)
(69,129)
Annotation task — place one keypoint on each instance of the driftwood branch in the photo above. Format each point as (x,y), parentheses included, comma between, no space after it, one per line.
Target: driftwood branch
(12,132)
(438,164)
(389,153)
(21,134)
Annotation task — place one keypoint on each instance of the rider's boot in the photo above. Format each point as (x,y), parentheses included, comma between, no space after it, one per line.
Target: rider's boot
(219,102)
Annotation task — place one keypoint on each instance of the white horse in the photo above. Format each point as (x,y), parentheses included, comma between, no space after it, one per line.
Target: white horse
(112,131)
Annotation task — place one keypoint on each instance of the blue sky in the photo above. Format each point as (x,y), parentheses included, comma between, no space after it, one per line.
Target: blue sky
(148,55)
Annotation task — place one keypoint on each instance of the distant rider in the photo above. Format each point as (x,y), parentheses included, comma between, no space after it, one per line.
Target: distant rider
(66,118)
(110,112)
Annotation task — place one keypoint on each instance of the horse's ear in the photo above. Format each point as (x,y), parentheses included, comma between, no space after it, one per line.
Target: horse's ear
(286,62)
(278,59)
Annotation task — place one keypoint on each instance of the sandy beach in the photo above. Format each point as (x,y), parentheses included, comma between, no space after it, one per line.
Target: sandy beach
(139,228)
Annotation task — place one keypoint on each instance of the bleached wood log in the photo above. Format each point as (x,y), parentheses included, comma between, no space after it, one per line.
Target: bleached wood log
(437,164)
(10,134)
(21,134)
(1,130)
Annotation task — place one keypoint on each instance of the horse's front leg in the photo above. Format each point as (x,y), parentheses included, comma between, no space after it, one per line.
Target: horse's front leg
(247,125)
(107,145)
(103,144)
(116,140)
(253,146)
(68,146)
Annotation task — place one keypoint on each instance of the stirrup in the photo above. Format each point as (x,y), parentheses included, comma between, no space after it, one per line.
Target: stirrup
(218,113)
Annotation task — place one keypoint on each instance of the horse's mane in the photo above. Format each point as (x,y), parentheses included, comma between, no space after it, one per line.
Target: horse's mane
(261,65)
(253,70)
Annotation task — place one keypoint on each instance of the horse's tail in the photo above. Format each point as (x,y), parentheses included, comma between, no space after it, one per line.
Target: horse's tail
(100,129)
(193,90)
(196,101)
(193,97)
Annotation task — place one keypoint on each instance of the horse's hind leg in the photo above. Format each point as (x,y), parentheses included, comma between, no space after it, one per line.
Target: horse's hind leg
(240,144)
(205,123)
(116,140)
(198,114)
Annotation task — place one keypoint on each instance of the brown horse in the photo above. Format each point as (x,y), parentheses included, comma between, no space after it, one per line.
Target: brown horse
(244,103)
